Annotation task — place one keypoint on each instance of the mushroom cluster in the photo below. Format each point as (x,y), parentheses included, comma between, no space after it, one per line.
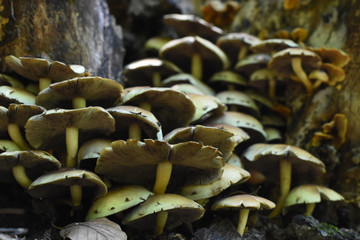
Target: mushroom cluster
(202,116)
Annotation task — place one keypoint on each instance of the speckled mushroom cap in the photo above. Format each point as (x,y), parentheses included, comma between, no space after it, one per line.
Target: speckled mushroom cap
(172,108)
(125,115)
(35,162)
(187,88)
(15,95)
(187,24)
(89,152)
(3,121)
(20,113)
(280,62)
(243,201)
(35,68)
(187,78)
(134,161)
(230,176)
(47,130)
(239,134)
(97,91)
(180,210)
(180,52)
(117,200)
(273,45)
(240,100)
(311,193)
(140,72)
(56,184)
(206,106)
(265,158)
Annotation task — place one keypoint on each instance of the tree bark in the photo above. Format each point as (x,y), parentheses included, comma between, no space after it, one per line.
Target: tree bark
(74,32)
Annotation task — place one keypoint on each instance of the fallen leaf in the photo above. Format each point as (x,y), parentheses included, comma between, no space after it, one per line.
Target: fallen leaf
(97,229)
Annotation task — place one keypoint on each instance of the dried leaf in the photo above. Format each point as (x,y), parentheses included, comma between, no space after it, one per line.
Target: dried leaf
(97,229)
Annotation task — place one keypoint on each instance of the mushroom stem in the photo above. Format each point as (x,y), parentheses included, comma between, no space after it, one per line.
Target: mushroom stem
(243,217)
(285,184)
(79,102)
(196,66)
(163,173)
(76,194)
(320,76)
(21,176)
(72,141)
(309,209)
(134,131)
(146,106)
(242,52)
(272,87)
(161,218)
(300,73)
(156,78)
(44,83)
(16,135)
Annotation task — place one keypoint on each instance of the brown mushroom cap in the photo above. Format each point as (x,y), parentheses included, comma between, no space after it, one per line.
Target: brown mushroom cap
(47,130)
(273,45)
(180,210)
(172,108)
(140,72)
(20,113)
(333,56)
(187,24)
(15,95)
(97,91)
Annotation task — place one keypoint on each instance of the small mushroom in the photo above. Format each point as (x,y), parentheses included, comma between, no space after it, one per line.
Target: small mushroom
(10,95)
(251,63)
(89,152)
(227,80)
(310,194)
(273,45)
(244,202)
(50,129)
(164,210)
(117,200)
(64,182)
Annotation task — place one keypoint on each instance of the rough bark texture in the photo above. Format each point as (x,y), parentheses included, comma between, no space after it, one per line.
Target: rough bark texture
(78,32)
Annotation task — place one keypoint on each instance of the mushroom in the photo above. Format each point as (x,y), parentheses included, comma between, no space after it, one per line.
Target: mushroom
(187,88)
(133,120)
(264,80)
(116,200)
(227,80)
(154,162)
(80,92)
(148,72)
(295,62)
(162,210)
(153,45)
(244,202)
(251,63)
(10,81)
(50,129)
(42,70)
(73,182)
(333,56)
(15,95)
(273,45)
(310,194)
(27,165)
(89,152)
(8,145)
(221,14)
(193,54)
(18,114)
(288,158)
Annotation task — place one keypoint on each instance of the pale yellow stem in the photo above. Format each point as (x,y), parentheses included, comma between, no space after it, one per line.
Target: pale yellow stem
(134,131)
(72,144)
(16,135)
(79,102)
(163,173)
(196,66)
(145,106)
(243,217)
(44,83)
(309,209)
(156,78)
(300,73)
(161,218)
(76,194)
(21,176)
(242,53)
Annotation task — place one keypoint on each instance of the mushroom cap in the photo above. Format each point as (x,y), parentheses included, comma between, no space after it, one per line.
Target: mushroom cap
(311,193)
(273,45)
(251,63)
(35,162)
(125,115)
(47,130)
(10,81)
(222,79)
(230,176)
(57,183)
(89,152)
(172,108)
(15,95)
(265,158)
(8,145)
(187,88)
(241,100)
(97,91)
(243,201)
(336,74)
(187,78)
(116,200)
(333,56)
(221,139)
(35,68)
(273,135)
(187,24)
(134,161)
(206,106)
(180,52)
(20,113)
(280,62)
(180,210)
(263,101)
(140,72)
